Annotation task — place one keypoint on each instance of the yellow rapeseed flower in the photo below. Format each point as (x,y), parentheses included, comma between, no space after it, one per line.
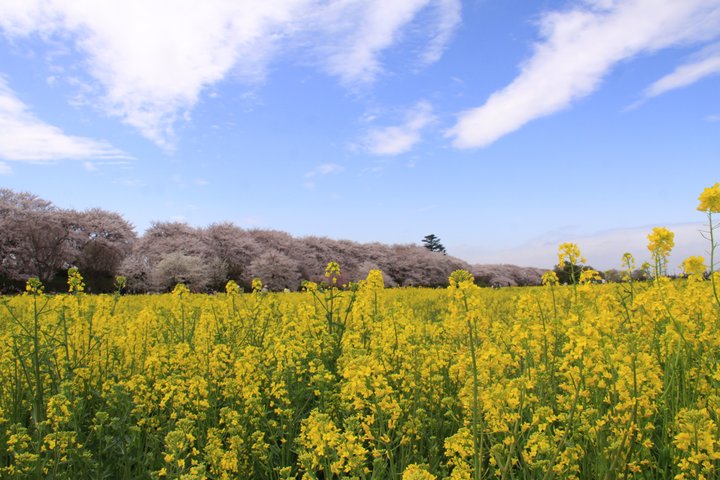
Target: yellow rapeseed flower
(693,265)
(460,277)
(375,279)
(661,242)
(309,286)
(75,281)
(180,290)
(628,261)
(332,271)
(570,253)
(34,286)
(710,199)
(416,472)
(232,288)
(550,278)
(333,268)
(590,276)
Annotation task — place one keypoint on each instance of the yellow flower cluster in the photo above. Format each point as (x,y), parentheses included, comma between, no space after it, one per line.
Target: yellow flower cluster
(180,290)
(661,241)
(76,283)
(34,286)
(694,266)
(232,288)
(570,253)
(710,199)
(550,278)
(589,380)
(332,270)
(403,383)
(697,440)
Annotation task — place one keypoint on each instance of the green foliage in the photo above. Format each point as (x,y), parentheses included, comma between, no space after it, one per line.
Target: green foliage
(432,243)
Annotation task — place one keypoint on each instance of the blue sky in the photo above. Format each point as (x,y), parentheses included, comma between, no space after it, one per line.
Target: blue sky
(505,127)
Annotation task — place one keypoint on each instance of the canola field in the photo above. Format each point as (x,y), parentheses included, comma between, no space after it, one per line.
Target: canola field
(585,380)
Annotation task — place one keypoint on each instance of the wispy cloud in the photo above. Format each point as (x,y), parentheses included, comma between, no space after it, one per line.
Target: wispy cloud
(705,64)
(348,37)
(26,138)
(320,170)
(713,118)
(325,169)
(449,15)
(5,169)
(398,139)
(577,49)
(155,59)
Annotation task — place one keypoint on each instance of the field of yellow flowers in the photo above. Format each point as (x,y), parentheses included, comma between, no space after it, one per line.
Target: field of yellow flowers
(585,380)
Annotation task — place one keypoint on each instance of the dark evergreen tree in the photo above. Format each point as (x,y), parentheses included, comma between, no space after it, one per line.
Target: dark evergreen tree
(432,243)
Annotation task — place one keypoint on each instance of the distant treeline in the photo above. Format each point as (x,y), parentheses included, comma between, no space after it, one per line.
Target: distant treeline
(38,239)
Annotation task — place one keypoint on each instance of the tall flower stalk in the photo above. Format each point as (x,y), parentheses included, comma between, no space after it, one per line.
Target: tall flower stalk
(710,203)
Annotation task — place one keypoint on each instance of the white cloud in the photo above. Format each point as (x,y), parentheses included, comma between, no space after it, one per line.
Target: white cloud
(25,138)
(5,169)
(603,250)
(707,63)
(349,36)
(449,13)
(578,48)
(713,118)
(154,59)
(323,169)
(395,140)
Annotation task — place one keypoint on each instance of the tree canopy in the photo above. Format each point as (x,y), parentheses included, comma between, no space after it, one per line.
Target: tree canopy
(38,239)
(432,243)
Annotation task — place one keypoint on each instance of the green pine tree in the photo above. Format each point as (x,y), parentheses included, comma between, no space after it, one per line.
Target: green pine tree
(432,243)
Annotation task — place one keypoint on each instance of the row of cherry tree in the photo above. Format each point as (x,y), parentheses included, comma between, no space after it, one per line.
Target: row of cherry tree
(38,239)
